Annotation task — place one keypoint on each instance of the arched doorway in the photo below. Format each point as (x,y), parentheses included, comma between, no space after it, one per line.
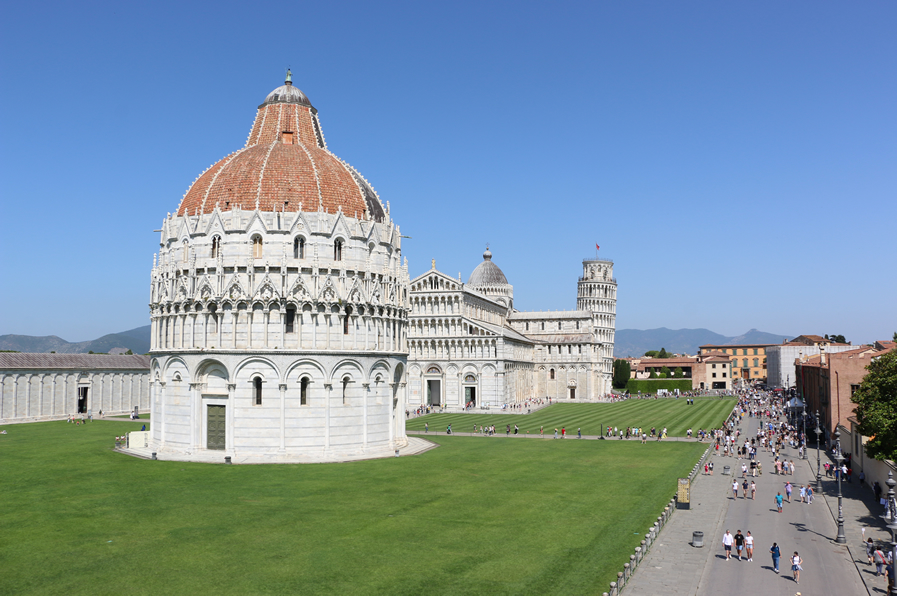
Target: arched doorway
(470,390)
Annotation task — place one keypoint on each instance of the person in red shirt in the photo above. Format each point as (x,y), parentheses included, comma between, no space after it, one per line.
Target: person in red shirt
(563,432)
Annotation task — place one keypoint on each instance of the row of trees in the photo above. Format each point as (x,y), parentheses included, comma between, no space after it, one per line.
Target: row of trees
(876,411)
(622,372)
(662,353)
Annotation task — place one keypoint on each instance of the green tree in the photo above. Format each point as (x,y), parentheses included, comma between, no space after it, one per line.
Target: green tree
(651,353)
(622,372)
(836,338)
(653,374)
(663,353)
(129,352)
(665,371)
(876,411)
(678,372)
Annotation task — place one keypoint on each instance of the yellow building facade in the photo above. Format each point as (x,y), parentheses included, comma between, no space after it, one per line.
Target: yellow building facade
(747,361)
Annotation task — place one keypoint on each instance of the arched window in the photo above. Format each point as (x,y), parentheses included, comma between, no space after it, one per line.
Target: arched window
(543,325)
(303,391)
(257,390)
(551,373)
(346,320)
(559,325)
(345,386)
(186,250)
(338,250)
(290,326)
(298,247)
(216,246)
(527,326)
(257,247)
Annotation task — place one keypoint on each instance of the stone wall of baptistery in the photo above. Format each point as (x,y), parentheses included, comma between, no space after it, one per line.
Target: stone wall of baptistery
(294,322)
(336,404)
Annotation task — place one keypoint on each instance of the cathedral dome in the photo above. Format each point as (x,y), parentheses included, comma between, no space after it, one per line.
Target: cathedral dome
(487,273)
(284,166)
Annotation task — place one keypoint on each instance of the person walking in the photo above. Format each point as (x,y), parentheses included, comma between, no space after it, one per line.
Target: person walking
(803,493)
(555,433)
(735,489)
(727,544)
(542,432)
(563,432)
(739,543)
(749,546)
(870,548)
(753,491)
(779,501)
(795,566)
(879,559)
(579,433)
(711,468)
(776,554)
(426,427)
(788,489)
(743,470)
(809,495)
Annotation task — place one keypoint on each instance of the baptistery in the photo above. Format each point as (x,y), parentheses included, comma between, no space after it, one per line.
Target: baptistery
(279,304)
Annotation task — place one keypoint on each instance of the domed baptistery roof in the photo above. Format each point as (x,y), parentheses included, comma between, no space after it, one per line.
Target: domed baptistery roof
(284,166)
(279,303)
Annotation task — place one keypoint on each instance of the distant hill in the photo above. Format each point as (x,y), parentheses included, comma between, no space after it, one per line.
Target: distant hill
(137,340)
(635,342)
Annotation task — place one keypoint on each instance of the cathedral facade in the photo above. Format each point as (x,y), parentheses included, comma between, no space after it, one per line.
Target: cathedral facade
(279,303)
(468,345)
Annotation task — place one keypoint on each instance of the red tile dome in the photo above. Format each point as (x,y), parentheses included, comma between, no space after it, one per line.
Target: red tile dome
(285,166)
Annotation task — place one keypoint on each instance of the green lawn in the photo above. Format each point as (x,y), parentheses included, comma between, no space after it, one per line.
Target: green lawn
(674,414)
(472,517)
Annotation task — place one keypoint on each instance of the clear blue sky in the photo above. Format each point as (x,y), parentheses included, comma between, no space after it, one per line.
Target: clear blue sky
(737,160)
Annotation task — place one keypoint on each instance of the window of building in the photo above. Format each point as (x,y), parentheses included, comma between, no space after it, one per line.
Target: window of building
(543,325)
(744,352)
(559,325)
(744,363)
(257,247)
(577,324)
(569,349)
(724,375)
(338,250)
(299,247)
(549,350)
(713,366)
(527,326)
(291,320)
(714,375)
(755,353)
(216,246)
(257,386)
(346,320)
(186,251)
(303,392)
(854,389)
(580,349)
(756,362)
(345,387)
(551,374)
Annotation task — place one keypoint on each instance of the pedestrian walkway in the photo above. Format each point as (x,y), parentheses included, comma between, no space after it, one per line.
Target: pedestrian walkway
(674,566)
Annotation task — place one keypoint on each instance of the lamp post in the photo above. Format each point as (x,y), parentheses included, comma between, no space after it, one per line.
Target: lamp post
(803,411)
(892,506)
(818,461)
(840,539)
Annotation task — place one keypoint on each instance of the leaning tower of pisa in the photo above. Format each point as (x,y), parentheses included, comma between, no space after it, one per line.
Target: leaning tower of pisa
(597,293)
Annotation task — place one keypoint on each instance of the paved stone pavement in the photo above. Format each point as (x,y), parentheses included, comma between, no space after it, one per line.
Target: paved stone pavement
(673,566)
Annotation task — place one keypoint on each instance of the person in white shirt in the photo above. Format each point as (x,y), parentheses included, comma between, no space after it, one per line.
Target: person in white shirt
(727,544)
(749,546)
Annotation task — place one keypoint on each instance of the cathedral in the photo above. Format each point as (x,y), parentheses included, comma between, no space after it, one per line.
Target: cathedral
(469,346)
(279,304)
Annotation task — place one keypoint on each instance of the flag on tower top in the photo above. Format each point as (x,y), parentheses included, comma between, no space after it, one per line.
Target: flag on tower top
(596,246)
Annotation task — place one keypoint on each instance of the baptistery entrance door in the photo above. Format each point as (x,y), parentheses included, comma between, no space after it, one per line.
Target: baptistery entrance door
(216,428)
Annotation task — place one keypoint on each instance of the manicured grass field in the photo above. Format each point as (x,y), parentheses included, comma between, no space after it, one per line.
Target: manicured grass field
(474,516)
(674,414)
